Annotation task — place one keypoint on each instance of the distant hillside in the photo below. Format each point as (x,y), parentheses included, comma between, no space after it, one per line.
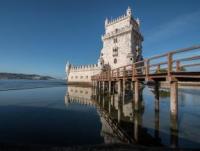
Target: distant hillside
(24,76)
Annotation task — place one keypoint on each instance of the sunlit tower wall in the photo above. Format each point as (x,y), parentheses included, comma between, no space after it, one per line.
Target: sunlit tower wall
(122,45)
(122,41)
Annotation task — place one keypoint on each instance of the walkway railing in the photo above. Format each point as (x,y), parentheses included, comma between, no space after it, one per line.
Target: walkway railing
(181,63)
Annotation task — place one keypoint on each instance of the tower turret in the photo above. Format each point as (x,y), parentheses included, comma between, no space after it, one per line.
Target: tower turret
(106,21)
(67,68)
(138,21)
(129,12)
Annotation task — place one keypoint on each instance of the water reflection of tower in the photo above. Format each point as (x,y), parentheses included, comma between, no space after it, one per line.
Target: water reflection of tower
(120,123)
(107,109)
(118,111)
(81,95)
(67,99)
(120,108)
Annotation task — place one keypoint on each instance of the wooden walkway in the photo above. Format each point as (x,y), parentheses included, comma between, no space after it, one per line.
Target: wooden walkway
(178,65)
(174,66)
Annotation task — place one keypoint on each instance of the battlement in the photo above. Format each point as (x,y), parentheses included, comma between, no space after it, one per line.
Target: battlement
(118,19)
(84,67)
(122,23)
(128,15)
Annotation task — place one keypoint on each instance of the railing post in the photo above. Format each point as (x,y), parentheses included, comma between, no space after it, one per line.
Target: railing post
(147,68)
(133,71)
(107,75)
(158,69)
(177,66)
(117,72)
(169,57)
(111,73)
(124,72)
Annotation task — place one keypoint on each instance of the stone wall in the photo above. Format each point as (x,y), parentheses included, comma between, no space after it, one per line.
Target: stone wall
(82,74)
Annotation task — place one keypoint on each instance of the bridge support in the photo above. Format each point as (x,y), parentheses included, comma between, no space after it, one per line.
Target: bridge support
(156,91)
(119,87)
(109,104)
(157,125)
(137,96)
(103,101)
(174,113)
(132,86)
(174,131)
(103,86)
(109,87)
(113,100)
(99,86)
(119,108)
(113,87)
(174,98)
(124,85)
(137,126)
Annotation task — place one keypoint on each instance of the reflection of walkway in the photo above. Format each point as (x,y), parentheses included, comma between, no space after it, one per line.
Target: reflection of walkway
(111,127)
(120,124)
(82,95)
(175,66)
(119,113)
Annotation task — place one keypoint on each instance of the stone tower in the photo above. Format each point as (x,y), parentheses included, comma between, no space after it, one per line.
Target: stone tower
(122,41)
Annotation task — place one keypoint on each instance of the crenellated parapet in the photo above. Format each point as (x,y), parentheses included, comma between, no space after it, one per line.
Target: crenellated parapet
(128,15)
(122,25)
(116,20)
(84,67)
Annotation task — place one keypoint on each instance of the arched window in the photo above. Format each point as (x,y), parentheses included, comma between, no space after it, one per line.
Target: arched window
(115,61)
(115,52)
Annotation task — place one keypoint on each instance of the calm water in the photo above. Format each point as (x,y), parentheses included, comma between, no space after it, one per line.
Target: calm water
(49,113)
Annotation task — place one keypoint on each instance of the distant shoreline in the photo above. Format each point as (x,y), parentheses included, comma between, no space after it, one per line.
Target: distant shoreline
(20,76)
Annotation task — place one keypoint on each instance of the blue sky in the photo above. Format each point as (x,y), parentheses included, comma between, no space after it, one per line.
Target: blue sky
(39,36)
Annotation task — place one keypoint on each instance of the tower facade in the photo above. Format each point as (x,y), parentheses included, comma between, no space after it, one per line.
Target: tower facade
(122,45)
(122,41)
